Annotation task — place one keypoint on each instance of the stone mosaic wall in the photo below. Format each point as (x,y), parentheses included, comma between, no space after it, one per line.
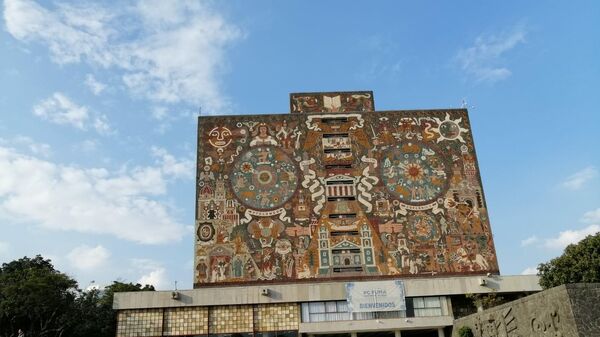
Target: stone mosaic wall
(204,320)
(233,318)
(186,321)
(140,323)
(564,311)
(276,317)
(339,195)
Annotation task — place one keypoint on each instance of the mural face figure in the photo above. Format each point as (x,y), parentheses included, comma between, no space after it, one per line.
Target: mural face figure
(220,137)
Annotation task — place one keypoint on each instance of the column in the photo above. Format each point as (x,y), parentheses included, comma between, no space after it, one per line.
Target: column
(353,334)
(397,333)
(441,332)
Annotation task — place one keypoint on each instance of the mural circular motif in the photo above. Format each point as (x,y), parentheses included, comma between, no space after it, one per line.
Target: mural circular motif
(206,231)
(264,178)
(416,173)
(423,227)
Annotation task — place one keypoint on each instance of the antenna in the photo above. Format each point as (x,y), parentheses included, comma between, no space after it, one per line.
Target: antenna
(465,105)
(175,285)
(200,110)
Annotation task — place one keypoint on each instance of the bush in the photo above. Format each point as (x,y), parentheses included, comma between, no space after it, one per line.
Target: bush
(465,331)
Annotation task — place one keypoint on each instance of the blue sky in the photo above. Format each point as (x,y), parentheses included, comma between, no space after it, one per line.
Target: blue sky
(98,104)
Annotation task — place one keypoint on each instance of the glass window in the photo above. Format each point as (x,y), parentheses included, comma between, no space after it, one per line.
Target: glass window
(332,311)
(427,306)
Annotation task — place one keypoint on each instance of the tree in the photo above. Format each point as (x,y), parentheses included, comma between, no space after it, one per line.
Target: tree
(34,297)
(44,302)
(579,263)
(94,316)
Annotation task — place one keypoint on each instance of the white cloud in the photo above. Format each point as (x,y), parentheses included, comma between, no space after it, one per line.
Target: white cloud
(568,237)
(529,271)
(174,57)
(24,142)
(482,60)
(60,109)
(592,216)
(154,273)
(529,241)
(61,197)
(87,146)
(577,180)
(88,258)
(159,113)
(94,85)
(178,168)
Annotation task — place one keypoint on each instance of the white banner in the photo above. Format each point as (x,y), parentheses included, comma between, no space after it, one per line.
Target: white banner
(375,296)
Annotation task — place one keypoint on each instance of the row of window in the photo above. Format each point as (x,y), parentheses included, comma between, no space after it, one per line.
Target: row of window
(338,310)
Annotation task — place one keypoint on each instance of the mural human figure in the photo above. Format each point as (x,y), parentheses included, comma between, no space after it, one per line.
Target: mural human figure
(262,137)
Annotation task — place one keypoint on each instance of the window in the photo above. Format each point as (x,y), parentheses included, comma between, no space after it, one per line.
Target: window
(338,311)
(427,306)
(325,311)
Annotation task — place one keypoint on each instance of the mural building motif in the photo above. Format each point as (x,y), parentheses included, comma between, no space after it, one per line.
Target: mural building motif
(339,194)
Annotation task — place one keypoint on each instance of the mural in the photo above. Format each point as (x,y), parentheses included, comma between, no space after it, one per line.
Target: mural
(339,195)
(348,101)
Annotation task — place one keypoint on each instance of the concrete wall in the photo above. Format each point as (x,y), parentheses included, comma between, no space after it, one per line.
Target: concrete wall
(565,311)
(323,291)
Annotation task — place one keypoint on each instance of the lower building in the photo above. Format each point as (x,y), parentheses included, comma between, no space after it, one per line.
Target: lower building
(319,309)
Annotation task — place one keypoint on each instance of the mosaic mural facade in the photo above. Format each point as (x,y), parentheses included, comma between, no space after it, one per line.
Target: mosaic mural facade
(339,195)
(348,101)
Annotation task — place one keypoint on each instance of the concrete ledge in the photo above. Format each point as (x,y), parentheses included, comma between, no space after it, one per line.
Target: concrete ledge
(326,291)
(376,325)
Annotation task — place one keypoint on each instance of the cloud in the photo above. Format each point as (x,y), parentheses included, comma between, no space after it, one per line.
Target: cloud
(87,146)
(60,109)
(94,85)
(168,51)
(529,271)
(24,142)
(577,180)
(154,273)
(482,60)
(568,237)
(60,197)
(592,216)
(171,166)
(88,258)
(529,241)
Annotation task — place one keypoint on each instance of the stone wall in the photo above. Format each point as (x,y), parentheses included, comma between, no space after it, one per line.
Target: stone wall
(565,311)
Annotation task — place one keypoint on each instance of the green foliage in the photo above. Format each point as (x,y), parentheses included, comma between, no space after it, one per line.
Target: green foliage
(465,331)
(579,263)
(485,301)
(34,297)
(42,301)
